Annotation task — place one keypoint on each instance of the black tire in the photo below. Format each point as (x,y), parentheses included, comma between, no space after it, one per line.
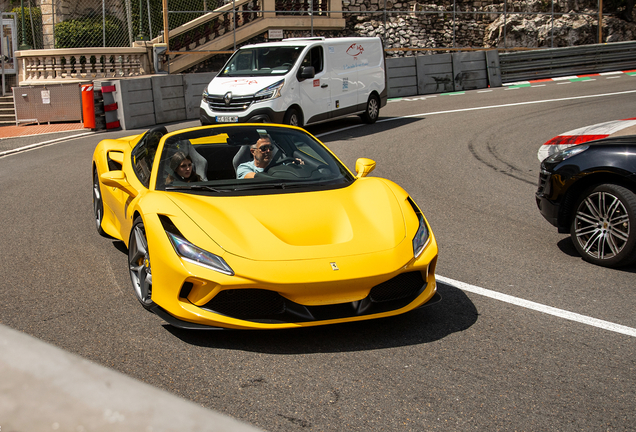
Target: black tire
(293,118)
(98,204)
(372,112)
(603,227)
(139,263)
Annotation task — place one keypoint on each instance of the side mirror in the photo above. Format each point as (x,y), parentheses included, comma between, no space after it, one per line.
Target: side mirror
(118,180)
(364,166)
(307,72)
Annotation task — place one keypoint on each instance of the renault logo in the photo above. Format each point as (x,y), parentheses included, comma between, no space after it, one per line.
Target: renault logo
(227,98)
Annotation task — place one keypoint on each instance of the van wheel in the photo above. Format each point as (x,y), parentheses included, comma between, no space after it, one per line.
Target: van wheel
(372,112)
(292,117)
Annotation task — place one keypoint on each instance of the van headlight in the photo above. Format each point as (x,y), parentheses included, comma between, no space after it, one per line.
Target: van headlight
(205,95)
(269,92)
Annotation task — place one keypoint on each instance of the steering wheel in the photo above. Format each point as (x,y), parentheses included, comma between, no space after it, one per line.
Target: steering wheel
(281,161)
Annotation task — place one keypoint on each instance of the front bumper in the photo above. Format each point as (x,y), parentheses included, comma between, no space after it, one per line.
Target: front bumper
(259,115)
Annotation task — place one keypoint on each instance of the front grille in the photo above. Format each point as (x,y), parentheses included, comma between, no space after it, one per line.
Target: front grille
(247,303)
(544,176)
(261,305)
(238,103)
(401,286)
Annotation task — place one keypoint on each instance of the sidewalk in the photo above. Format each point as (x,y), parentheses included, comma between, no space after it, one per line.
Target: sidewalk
(20,131)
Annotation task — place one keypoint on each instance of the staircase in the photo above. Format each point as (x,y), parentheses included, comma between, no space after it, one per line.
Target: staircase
(7,111)
(218,31)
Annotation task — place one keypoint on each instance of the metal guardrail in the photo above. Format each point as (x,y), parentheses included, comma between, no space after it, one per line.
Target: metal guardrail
(577,60)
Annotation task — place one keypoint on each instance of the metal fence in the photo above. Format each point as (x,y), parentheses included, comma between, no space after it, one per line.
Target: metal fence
(449,23)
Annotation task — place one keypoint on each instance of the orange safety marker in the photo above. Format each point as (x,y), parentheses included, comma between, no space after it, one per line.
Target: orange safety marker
(88,106)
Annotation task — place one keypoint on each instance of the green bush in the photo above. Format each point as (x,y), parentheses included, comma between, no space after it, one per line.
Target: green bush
(87,32)
(33,39)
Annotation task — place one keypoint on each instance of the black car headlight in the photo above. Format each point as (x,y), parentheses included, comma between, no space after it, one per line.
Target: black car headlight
(270,92)
(191,253)
(566,154)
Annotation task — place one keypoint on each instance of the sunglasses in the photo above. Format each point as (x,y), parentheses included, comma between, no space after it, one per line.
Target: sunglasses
(266,148)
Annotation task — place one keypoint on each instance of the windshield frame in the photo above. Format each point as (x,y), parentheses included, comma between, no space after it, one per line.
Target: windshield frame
(306,164)
(264,60)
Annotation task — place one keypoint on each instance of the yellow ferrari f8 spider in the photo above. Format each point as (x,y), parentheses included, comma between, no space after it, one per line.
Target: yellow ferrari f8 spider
(260,226)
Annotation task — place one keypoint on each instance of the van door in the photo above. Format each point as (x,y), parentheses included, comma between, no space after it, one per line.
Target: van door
(315,93)
(343,63)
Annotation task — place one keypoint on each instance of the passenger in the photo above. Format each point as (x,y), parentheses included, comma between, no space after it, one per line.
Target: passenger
(182,169)
(262,153)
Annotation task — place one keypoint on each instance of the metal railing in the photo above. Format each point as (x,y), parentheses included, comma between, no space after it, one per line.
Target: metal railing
(555,62)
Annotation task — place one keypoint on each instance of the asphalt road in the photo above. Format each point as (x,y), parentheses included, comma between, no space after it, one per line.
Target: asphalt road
(470,362)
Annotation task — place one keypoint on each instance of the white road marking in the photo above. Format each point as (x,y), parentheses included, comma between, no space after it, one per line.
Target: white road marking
(42,144)
(583,319)
(479,109)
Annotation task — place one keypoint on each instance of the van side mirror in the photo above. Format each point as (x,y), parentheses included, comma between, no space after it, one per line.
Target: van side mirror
(364,166)
(307,72)
(118,180)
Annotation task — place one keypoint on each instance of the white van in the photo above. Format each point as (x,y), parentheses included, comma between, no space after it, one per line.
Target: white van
(299,81)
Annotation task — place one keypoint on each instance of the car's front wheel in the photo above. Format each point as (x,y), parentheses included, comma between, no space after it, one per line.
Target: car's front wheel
(98,204)
(292,117)
(139,263)
(604,226)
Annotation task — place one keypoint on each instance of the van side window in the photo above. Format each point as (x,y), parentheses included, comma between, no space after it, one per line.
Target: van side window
(314,58)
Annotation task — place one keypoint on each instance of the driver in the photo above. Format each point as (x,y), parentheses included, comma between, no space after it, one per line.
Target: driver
(262,153)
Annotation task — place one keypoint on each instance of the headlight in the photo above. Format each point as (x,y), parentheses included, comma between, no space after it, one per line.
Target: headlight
(566,153)
(205,95)
(270,92)
(196,255)
(421,237)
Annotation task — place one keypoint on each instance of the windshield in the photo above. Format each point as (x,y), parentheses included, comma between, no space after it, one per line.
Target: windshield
(239,160)
(261,61)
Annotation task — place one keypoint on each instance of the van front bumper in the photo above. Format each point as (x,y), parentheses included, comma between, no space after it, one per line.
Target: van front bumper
(260,115)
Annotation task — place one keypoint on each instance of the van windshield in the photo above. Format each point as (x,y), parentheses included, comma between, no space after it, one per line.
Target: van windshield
(260,61)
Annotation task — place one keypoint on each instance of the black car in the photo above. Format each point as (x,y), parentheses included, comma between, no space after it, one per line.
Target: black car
(589,190)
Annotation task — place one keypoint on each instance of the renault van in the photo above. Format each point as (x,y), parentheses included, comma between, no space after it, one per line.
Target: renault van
(299,81)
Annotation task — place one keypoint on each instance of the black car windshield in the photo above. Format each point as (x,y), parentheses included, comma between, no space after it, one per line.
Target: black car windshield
(260,61)
(240,160)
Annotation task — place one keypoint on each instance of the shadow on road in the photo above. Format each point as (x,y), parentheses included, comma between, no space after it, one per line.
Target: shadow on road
(351,127)
(453,314)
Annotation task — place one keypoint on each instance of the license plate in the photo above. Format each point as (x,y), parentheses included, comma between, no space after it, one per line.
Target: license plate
(227,119)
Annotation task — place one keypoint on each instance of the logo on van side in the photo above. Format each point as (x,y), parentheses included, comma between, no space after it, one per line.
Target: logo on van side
(355,49)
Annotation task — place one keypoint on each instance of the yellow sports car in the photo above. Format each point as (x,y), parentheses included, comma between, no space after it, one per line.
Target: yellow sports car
(260,226)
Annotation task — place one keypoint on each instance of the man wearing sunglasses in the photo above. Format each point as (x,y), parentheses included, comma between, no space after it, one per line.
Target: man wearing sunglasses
(262,153)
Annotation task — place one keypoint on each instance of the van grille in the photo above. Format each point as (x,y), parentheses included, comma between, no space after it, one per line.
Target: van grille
(238,103)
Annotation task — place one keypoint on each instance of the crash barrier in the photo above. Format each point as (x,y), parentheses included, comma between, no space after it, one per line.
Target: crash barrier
(110,106)
(576,60)
(425,74)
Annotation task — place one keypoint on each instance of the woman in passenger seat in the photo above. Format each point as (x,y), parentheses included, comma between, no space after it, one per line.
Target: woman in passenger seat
(182,169)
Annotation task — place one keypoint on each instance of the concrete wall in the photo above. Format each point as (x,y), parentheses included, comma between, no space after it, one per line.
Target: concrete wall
(157,99)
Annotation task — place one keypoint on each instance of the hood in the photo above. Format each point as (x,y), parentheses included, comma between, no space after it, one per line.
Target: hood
(365,217)
(241,86)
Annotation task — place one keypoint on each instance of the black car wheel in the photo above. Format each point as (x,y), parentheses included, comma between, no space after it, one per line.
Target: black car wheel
(98,205)
(292,118)
(604,226)
(139,263)
(372,112)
